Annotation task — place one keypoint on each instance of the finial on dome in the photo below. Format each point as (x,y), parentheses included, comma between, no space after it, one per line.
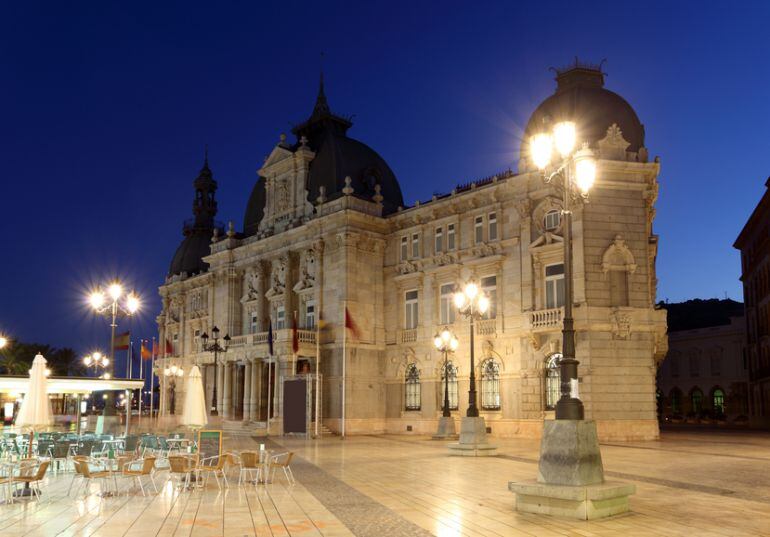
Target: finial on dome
(230,229)
(206,156)
(321,105)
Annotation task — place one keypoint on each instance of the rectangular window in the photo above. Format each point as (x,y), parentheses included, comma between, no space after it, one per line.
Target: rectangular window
(415,246)
(175,345)
(280,318)
(404,248)
(410,310)
(478,230)
(492,226)
(439,246)
(310,315)
(253,323)
(450,237)
(489,286)
(447,306)
(554,286)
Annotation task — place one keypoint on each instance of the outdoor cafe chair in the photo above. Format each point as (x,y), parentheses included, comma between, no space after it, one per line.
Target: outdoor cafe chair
(60,453)
(32,475)
(249,465)
(76,460)
(181,467)
(146,469)
(215,466)
(282,461)
(90,475)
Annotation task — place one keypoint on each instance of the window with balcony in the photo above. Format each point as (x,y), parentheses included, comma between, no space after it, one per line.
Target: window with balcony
(492,225)
(450,237)
(554,286)
(415,245)
(490,385)
(411,310)
(449,373)
(310,315)
(412,387)
(439,240)
(489,286)
(404,249)
(447,307)
(280,318)
(478,230)
(552,381)
(253,322)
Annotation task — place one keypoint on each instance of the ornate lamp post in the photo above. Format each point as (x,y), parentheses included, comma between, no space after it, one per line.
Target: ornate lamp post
(575,172)
(446,342)
(97,360)
(473,303)
(216,349)
(171,373)
(113,303)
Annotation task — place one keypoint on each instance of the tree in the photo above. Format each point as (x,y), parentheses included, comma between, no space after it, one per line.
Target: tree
(14,359)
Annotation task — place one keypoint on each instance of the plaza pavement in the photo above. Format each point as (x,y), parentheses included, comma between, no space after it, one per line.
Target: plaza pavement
(688,483)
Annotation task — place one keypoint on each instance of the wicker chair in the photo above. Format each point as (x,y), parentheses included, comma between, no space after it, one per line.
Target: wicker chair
(249,465)
(282,461)
(32,475)
(147,468)
(89,475)
(182,466)
(215,466)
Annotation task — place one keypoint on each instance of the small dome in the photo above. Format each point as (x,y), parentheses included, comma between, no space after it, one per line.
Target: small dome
(581,97)
(255,208)
(189,256)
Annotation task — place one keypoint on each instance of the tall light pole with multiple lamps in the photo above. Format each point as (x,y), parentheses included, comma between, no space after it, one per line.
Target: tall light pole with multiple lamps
(216,348)
(172,373)
(570,458)
(472,302)
(97,360)
(445,342)
(113,302)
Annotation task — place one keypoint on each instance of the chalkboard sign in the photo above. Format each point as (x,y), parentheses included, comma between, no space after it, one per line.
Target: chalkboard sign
(209,443)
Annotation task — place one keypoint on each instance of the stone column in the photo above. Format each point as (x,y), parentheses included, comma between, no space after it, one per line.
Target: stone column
(253,416)
(234,388)
(247,391)
(226,399)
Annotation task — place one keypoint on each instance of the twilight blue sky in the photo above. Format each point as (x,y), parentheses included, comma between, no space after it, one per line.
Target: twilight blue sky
(106,107)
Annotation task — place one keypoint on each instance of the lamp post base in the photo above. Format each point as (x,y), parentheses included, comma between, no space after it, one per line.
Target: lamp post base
(446,428)
(473,439)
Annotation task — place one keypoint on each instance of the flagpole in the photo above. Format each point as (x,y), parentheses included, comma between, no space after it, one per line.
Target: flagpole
(152,380)
(141,375)
(344,361)
(129,355)
(269,370)
(317,370)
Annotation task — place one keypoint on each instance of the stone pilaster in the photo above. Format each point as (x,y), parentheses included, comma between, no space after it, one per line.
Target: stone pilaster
(226,398)
(247,372)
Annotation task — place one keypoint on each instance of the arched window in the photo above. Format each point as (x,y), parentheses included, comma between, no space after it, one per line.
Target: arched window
(718,401)
(450,373)
(490,385)
(696,398)
(675,396)
(552,381)
(412,382)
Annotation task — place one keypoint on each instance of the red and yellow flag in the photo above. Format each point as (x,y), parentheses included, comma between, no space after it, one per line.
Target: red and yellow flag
(351,325)
(122,341)
(145,352)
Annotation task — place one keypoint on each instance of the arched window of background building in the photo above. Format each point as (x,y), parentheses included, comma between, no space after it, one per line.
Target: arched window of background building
(451,373)
(718,401)
(675,397)
(696,400)
(552,382)
(490,385)
(412,382)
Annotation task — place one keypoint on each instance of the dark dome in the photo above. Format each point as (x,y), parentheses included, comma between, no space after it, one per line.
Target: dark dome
(255,208)
(581,97)
(188,257)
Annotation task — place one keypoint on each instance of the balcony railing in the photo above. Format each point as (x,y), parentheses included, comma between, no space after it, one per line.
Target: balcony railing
(407,336)
(306,336)
(546,319)
(239,341)
(486,327)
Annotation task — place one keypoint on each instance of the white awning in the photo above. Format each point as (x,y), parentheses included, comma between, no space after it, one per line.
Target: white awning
(70,384)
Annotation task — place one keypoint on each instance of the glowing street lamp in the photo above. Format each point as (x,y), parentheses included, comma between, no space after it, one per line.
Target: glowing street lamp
(473,303)
(216,348)
(446,342)
(577,171)
(172,373)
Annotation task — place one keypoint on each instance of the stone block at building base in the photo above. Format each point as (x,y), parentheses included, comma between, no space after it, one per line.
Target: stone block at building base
(584,502)
(473,439)
(569,454)
(446,428)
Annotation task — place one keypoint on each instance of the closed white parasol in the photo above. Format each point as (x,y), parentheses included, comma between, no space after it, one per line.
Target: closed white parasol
(194,414)
(35,411)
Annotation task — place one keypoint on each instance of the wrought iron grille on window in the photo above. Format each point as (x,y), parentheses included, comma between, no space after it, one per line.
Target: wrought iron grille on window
(490,385)
(412,387)
(451,372)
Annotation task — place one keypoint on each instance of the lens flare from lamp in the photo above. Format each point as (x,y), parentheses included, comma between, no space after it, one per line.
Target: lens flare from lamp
(438,343)
(167,371)
(87,360)
(115,290)
(483,304)
(3,341)
(132,303)
(105,362)
(453,344)
(459,300)
(540,150)
(107,376)
(446,335)
(471,290)
(97,356)
(585,174)
(173,369)
(96,299)
(565,135)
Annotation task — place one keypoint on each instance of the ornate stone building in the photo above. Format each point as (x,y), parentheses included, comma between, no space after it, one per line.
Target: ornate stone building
(326,228)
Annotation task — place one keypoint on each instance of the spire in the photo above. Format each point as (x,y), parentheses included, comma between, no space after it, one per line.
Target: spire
(321,105)
(206,157)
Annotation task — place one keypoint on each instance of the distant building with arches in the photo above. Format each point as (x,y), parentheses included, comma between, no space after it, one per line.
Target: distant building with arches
(704,377)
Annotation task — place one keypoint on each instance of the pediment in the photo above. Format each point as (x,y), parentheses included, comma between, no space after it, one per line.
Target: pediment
(277,155)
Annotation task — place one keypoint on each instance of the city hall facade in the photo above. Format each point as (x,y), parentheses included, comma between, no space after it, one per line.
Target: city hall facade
(326,228)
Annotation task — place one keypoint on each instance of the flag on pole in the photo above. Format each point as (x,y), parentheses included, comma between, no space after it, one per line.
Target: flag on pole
(122,341)
(145,352)
(270,335)
(294,335)
(169,348)
(351,325)
(154,348)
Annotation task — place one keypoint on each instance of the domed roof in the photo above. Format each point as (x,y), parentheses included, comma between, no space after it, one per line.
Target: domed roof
(189,256)
(336,156)
(581,97)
